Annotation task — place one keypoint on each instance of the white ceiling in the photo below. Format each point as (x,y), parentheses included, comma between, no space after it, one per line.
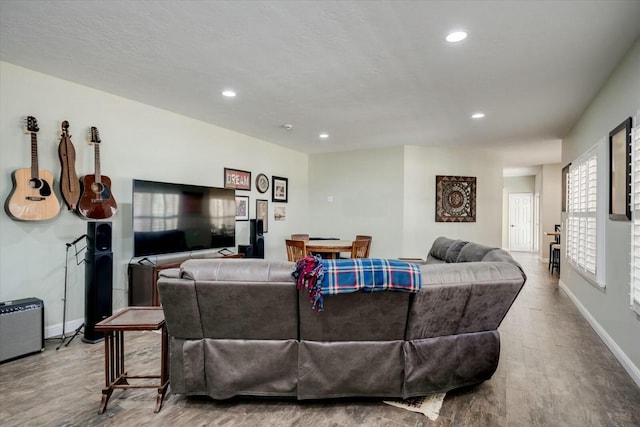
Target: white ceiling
(370,73)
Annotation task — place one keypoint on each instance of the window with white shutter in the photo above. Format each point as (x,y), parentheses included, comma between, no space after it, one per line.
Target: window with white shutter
(635,215)
(585,225)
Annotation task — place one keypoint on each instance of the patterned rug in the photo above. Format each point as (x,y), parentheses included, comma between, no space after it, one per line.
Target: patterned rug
(427,405)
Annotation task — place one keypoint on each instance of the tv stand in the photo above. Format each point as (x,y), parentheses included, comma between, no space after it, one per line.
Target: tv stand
(143,279)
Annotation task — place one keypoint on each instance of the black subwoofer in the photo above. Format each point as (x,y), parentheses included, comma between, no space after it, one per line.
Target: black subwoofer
(98,291)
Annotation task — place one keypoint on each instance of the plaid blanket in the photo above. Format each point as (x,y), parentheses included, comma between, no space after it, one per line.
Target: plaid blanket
(331,277)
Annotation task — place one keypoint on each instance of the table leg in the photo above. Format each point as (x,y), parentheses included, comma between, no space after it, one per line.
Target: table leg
(164,369)
(113,365)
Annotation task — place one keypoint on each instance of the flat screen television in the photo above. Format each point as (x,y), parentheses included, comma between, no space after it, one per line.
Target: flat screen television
(171,218)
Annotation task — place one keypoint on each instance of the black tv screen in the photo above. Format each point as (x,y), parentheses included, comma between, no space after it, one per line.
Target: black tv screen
(170,218)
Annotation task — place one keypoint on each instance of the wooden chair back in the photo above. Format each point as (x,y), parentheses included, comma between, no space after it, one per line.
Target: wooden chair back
(361,237)
(296,249)
(304,237)
(360,248)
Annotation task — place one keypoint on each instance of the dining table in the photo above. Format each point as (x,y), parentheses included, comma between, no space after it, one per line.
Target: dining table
(331,249)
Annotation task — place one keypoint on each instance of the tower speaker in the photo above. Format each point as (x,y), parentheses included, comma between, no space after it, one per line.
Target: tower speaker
(98,290)
(98,237)
(256,237)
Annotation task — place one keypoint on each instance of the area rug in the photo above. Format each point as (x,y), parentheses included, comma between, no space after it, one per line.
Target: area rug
(427,405)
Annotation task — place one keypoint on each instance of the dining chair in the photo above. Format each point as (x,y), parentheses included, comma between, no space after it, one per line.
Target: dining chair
(304,237)
(296,249)
(361,237)
(360,248)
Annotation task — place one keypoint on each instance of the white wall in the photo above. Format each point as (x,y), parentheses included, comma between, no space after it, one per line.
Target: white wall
(138,141)
(422,164)
(514,184)
(390,194)
(366,189)
(618,99)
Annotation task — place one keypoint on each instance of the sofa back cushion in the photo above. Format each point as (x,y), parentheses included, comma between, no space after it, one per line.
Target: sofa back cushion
(454,251)
(244,298)
(440,247)
(472,252)
(458,298)
(358,316)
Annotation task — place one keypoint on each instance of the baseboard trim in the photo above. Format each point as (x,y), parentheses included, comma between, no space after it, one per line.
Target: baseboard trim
(627,364)
(56,330)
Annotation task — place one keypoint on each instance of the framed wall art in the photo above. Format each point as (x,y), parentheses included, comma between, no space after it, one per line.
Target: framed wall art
(280,189)
(455,198)
(620,172)
(234,178)
(262,212)
(242,208)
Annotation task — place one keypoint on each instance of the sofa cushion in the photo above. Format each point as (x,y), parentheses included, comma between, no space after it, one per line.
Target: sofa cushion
(440,247)
(377,316)
(472,252)
(454,251)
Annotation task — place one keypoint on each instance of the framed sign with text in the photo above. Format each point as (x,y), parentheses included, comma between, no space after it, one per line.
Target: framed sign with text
(234,178)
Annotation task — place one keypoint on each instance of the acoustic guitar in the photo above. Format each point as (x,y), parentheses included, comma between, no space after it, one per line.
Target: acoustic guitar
(32,198)
(96,201)
(69,185)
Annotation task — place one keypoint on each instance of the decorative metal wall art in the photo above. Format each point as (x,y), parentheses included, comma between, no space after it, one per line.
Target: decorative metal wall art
(455,198)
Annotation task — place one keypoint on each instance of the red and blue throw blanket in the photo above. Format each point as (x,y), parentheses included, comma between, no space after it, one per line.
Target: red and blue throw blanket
(331,277)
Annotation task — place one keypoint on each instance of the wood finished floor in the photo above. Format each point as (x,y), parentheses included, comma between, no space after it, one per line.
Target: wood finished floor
(553,371)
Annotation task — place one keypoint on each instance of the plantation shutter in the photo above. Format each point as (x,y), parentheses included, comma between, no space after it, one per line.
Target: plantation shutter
(635,212)
(582,213)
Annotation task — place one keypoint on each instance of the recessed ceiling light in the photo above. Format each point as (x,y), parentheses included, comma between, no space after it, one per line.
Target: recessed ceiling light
(456,36)
(324,135)
(229,93)
(477,115)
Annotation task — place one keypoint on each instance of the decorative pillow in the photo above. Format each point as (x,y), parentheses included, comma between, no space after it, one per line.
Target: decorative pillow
(454,251)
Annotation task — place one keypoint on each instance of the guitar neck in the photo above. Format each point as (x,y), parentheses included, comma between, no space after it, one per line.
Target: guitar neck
(34,156)
(98,177)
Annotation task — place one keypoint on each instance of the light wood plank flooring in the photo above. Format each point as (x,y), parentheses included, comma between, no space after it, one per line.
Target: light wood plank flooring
(554,371)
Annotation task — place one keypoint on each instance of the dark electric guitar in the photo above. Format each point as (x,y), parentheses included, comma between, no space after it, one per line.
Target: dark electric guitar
(96,201)
(69,185)
(32,197)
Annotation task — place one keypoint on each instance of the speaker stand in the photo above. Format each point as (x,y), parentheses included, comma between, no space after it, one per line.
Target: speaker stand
(63,337)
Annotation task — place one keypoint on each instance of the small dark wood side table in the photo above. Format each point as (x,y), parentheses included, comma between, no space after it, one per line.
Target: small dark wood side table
(131,319)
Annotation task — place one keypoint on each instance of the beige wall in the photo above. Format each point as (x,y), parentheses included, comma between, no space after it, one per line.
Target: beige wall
(609,309)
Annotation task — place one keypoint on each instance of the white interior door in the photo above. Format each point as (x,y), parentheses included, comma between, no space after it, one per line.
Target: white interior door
(520,224)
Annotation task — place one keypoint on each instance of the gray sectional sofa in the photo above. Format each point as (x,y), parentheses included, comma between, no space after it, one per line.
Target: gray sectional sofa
(240,327)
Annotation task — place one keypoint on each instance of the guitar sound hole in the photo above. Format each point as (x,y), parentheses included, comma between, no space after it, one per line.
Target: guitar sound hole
(35,183)
(97,188)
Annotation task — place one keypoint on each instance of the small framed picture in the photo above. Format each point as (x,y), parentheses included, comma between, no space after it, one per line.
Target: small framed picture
(280,189)
(262,212)
(280,213)
(240,180)
(242,208)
